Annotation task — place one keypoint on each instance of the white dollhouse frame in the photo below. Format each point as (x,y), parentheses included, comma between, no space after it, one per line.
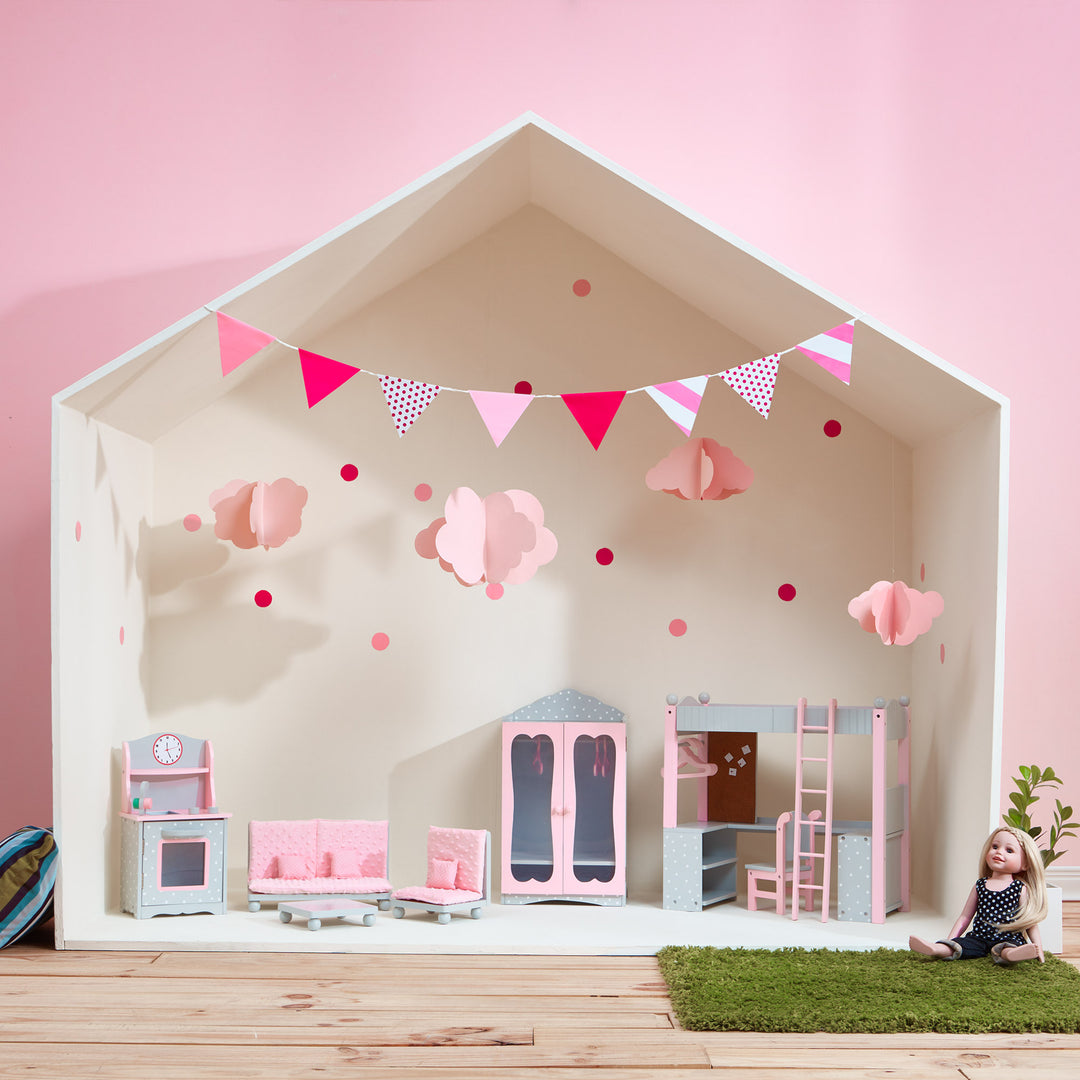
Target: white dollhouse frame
(132,592)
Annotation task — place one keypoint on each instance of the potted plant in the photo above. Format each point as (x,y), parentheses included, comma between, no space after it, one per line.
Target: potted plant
(1030,780)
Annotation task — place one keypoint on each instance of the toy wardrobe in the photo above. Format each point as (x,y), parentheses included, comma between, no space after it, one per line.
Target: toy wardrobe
(564,801)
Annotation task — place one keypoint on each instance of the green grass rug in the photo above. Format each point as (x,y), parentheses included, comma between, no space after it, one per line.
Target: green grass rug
(884,990)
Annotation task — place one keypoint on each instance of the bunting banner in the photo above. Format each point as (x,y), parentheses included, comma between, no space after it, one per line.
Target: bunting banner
(238,342)
(832,350)
(594,412)
(755,382)
(322,376)
(407,400)
(680,400)
(500,412)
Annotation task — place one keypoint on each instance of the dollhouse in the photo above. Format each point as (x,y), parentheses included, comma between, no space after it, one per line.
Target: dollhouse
(508,287)
(873,854)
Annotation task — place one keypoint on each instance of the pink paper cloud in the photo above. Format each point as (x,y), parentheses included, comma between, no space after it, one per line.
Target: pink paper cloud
(253,514)
(897,613)
(700,469)
(499,538)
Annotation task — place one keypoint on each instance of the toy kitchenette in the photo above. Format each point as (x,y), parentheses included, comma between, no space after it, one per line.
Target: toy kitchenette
(172,838)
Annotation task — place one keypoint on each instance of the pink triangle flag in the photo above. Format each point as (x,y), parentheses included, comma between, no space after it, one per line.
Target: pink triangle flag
(500,412)
(832,350)
(238,342)
(755,382)
(680,400)
(322,376)
(407,400)
(594,412)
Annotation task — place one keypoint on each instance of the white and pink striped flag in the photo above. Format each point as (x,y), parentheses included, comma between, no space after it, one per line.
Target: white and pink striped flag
(832,350)
(680,400)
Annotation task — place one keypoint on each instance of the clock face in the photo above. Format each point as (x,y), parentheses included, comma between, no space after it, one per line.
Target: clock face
(167,749)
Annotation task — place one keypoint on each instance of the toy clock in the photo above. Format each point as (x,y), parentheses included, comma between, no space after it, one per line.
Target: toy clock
(172,835)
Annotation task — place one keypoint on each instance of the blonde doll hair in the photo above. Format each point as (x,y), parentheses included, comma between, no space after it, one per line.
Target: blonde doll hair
(1032,908)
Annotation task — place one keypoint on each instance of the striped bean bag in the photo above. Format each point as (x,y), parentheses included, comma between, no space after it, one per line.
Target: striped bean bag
(27,877)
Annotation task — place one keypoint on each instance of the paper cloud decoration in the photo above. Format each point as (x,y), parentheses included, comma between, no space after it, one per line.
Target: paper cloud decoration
(499,538)
(254,514)
(700,469)
(896,612)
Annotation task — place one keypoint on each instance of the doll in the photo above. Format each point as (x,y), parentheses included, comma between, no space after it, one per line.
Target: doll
(1008,902)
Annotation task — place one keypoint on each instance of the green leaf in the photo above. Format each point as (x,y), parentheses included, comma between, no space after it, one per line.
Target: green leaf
(1034,831)
(1025,772)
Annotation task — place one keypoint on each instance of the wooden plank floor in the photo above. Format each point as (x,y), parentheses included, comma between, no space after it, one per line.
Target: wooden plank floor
(234,1016)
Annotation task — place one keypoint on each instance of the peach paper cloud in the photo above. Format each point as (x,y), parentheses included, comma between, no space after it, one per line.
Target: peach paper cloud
(700,469)
(254,514)
(897,613)
(499,538)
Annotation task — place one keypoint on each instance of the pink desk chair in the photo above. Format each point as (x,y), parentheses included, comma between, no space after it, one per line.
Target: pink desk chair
(777,876)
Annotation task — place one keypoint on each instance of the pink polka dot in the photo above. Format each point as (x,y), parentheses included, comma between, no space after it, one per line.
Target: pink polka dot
(786,591)
(263,598)
(78,531)
(494,591)
(193,523)
(349,473)
(677,627)
(380,641)
(582,287)
(943,652)
(604,556)
(422,493)
(922,571)
(122,637)
(523,387)
(832,428)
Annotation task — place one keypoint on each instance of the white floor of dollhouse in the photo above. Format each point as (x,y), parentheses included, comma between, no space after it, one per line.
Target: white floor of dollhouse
(638,929)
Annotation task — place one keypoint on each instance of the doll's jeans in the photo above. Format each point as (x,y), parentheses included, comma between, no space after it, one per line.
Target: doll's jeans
(972,947)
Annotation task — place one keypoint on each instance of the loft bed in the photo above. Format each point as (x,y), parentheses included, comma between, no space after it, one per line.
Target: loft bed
(873,855)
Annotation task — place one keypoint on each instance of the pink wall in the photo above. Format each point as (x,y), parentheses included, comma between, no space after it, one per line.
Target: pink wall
(915,158)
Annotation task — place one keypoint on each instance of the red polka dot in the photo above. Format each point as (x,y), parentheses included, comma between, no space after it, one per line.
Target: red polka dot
(786,591)
(78,531)
(832,428)
(943,652)
(380,641)
(922,571)
(604,556)
(677,627)
(494,591)
(263,598)
(122,637)
(582,287)
(422,492)
(349,472)
(193,523)
(523,387)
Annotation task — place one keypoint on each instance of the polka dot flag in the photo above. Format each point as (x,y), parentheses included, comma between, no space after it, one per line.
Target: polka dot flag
(407,400)
(755,382)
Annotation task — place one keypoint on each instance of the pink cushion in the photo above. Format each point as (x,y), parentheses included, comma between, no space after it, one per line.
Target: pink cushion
(442,873)
(291,866)
(369,839)
(345,864)
(437,896)
(269,839)
(468,847)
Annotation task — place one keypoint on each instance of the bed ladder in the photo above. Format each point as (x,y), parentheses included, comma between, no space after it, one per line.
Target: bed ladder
(806,831)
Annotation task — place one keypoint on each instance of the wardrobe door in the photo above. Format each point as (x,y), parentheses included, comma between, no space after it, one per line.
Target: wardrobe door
(532,848)
(595,798)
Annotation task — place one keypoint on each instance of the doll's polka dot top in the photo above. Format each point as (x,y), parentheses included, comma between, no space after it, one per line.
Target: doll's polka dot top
(994,908)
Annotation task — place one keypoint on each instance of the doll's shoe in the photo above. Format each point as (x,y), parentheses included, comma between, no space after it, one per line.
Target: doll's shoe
(1019,952)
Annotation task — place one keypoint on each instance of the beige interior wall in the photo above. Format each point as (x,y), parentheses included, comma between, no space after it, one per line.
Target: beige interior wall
(308,720)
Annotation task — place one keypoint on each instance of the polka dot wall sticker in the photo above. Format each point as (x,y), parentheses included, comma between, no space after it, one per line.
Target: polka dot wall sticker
(192,522)
(582,287)
(786,592)
(122,636)
(78,531)
(832,428)
(263,598)
(422,492)
(349,473)
(605,556)
(677,627)
(523,387)
(922,571)
(380,641)
(495,591)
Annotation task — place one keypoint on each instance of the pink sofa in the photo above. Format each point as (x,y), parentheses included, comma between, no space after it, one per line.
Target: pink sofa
(296,860)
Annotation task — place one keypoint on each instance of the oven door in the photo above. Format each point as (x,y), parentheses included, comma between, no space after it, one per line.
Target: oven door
(183,862)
